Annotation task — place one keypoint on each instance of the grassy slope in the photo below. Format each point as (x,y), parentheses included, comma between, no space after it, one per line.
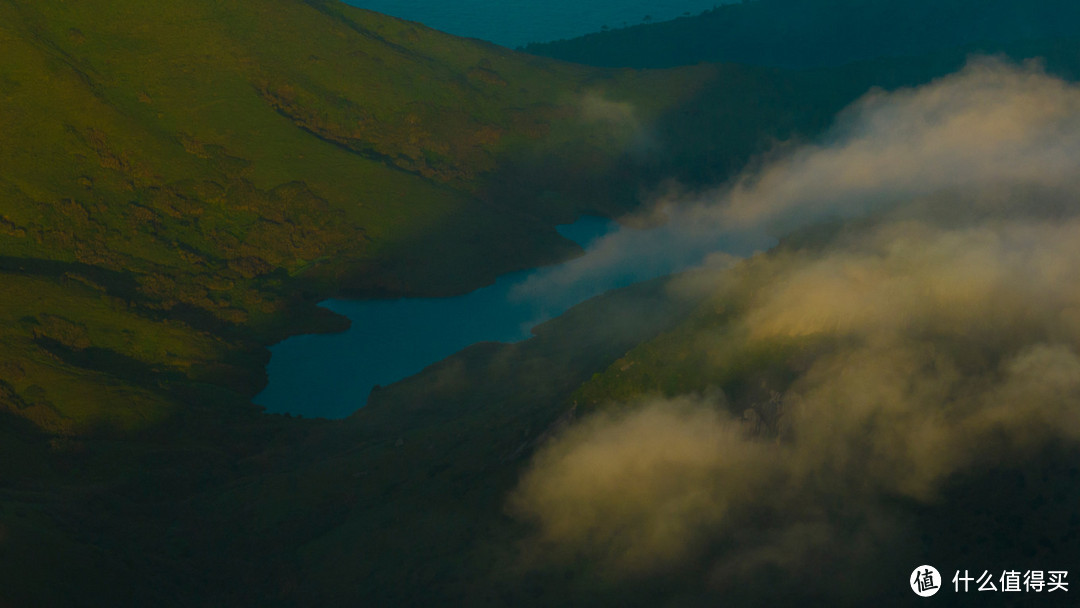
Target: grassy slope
(178,184)
(178,181)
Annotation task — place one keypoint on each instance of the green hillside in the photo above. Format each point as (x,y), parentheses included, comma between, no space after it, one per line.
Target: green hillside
(179,183)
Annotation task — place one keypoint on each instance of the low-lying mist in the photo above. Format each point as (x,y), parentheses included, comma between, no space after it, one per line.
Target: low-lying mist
(936,332)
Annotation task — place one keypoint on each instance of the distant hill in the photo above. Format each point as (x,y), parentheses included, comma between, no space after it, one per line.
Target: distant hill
(810,33)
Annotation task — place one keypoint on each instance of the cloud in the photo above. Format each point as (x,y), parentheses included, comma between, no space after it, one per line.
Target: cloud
(931,352)
(993,123)
(597,108)
(939,336)
(640,485)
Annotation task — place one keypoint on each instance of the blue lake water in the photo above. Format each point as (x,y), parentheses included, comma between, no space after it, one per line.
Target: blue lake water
(514,23)
(331,375)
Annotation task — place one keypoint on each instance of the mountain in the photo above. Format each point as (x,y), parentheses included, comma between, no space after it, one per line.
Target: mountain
(815,33)
(181,183)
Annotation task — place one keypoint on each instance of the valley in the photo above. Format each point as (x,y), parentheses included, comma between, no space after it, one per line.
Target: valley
(835,330)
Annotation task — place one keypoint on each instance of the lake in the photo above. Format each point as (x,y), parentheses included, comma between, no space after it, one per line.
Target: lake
(515,23)
(331,375)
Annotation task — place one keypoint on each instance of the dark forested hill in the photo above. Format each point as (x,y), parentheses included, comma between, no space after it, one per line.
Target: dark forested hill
(806,33)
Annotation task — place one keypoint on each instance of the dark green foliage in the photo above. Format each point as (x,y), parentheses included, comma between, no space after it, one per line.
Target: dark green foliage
(815,33)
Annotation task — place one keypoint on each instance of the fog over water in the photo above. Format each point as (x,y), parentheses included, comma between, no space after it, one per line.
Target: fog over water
(936,335)
(331,375)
